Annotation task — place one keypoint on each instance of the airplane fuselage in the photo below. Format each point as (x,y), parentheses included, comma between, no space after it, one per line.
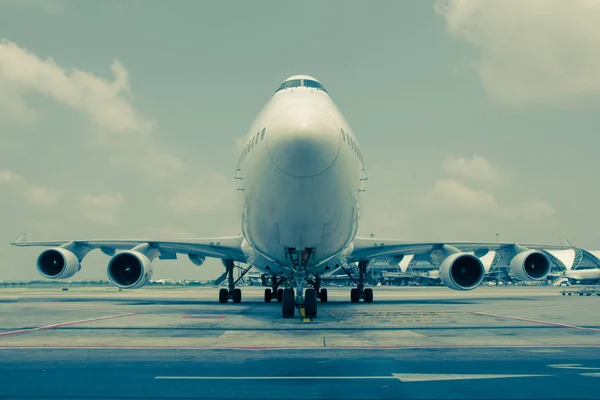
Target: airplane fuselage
(301,172)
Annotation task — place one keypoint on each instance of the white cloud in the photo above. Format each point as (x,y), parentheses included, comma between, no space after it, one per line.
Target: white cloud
(477,168)
(105,102)
(160,164)
(536,51)
(13,107)
(451,195)
(7,176)
(101,208)
(531,210)
(32,194)
(41,196)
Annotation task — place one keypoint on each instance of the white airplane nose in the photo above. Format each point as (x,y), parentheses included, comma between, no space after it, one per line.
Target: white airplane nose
(303,140)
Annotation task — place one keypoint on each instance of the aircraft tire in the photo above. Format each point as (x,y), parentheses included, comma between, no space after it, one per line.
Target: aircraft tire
(323,295)
(268,295)
(237,296)
(368,295)
(354,295)
(288,308)
(310,303)
(279,295)
(223,295)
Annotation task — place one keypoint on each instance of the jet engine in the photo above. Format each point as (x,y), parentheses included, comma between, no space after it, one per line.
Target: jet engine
(461,271)
(129,270)
(58,263)
(530,265)
(196,259)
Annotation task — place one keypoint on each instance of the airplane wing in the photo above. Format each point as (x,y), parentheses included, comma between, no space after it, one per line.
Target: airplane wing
(371,248)
(224,248)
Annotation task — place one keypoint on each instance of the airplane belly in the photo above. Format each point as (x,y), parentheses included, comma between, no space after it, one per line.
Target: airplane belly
(284,211)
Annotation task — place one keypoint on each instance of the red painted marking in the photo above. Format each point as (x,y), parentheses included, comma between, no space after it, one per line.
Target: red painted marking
(581,328)
(204,316)
(42,328)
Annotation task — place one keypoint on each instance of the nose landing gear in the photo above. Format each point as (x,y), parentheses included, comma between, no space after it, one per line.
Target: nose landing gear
(299,279)
(288,306)
(310,303)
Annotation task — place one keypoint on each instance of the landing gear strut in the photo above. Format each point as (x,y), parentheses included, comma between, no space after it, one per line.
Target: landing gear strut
(274,292)
(299,279)
(360,292)
(321,292)
(231,292)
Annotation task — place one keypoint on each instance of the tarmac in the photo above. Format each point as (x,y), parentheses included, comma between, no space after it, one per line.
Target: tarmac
(411,342)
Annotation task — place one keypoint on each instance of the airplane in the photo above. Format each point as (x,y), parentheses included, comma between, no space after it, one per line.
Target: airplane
(301,172)
(584,275)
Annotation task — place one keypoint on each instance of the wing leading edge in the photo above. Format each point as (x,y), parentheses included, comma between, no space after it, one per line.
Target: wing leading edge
(368,248)
(229,248)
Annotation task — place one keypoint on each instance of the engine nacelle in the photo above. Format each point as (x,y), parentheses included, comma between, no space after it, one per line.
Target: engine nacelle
(530,265)
(129,270)
(462,271)
(58,263)
(196,259)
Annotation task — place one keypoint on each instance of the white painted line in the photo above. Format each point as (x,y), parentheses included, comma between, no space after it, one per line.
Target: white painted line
(268,378)
(591,374)
(41,328)
(537,321)
(571,366)
(545,351)
(400,377)
(455,377)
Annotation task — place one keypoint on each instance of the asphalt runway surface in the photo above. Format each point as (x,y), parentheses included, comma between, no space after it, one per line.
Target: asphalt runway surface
(496,343)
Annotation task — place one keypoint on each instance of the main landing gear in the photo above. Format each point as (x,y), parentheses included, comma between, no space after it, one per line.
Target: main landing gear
(360,292)
(274,292)
(231,292)
(321,292)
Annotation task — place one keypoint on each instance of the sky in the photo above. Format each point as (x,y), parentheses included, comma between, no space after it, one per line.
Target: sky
(121,119)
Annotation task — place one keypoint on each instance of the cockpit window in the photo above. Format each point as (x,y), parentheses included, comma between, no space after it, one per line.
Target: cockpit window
(301,83)
(289,84)
(313,84)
